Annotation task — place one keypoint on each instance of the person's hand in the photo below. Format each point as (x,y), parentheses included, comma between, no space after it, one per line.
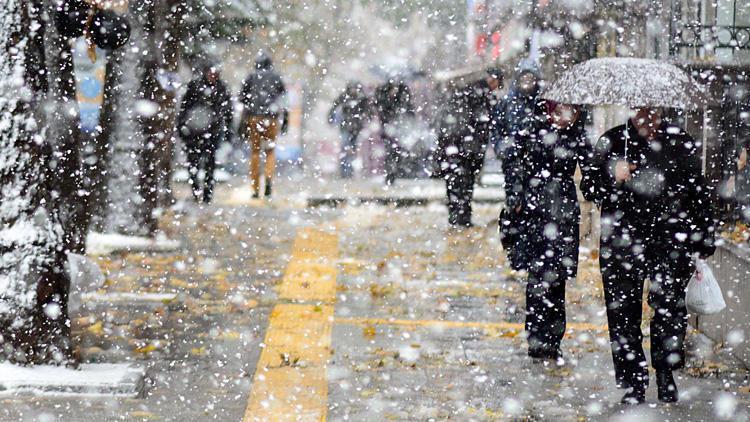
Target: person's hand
(727,189)
(623,170)
(742,161)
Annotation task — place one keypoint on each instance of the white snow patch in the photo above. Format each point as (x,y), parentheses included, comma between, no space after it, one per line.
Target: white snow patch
(105,243)
(408,354)
(128,297)
(90,379)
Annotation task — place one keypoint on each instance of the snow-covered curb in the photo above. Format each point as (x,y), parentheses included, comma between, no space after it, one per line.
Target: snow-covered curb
(90,379)
(106,243)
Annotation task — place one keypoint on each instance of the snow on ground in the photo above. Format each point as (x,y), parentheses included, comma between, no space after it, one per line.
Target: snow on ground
(90,379)
(105,243)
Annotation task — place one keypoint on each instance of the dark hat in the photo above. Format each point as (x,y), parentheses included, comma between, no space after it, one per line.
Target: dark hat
(263,61)
(495,72)
(109,30)
(70,17)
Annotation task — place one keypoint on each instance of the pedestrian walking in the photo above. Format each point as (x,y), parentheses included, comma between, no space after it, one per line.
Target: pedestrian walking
(393,105)
(464,126)
(656,214)
(203,124)
(261,96)
(539,169)
(521,110)
(350,111)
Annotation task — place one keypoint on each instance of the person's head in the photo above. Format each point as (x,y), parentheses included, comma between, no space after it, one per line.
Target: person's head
(563,116)
(527,82)
(213,73)
(495,78)
(353,87)
(646,120)
(263,61)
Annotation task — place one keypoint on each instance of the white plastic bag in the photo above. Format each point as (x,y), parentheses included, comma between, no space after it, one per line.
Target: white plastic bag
(703,295)
(85,276)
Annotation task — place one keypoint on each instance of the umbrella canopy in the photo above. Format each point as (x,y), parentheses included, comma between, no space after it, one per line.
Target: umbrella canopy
(627,82)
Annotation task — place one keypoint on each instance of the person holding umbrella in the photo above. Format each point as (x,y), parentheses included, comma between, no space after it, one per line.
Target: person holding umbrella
(656,212)
(655,215)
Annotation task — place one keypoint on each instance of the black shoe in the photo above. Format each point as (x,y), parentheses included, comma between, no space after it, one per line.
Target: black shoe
(546,354)
(256,195)
(636,395)
(666,387)
(267,193)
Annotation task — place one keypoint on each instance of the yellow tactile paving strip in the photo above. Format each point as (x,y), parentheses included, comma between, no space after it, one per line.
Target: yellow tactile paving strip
(510,326)
(290,378)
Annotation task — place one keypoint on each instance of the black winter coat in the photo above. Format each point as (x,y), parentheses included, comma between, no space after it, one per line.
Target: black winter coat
(539,170)
(354,107)
(464,126)
(261,92)
(667,199)
(539,167)
(206,108)
(392,101)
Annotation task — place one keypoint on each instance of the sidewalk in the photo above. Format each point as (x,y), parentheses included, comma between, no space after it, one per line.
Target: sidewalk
(363,313)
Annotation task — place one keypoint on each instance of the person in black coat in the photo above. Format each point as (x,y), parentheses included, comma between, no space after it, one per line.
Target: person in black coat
(539,169)
(392,104)
(520,111)
(656,213)
(203,123)
(350,111)
(464,126)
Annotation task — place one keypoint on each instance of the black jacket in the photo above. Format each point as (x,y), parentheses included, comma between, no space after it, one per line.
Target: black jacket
(464,125)
(667,198)
(261,92)
(354,107)
(393,100)
(206,108)
(539,169)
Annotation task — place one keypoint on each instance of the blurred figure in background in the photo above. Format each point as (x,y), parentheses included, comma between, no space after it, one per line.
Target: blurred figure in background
(203,123)
(261,95)
(521,110)
(350,111)
(392,104)
(464,127)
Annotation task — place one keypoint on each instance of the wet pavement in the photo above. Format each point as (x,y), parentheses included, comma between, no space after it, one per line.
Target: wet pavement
(365,312)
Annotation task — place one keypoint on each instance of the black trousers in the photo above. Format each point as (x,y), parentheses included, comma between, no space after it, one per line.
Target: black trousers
(459,184)
(348,152)
(202,156)
(393,154)
(627,258)
(553,263)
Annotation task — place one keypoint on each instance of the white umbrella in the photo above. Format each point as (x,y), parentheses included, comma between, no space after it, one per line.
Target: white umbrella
(627,82)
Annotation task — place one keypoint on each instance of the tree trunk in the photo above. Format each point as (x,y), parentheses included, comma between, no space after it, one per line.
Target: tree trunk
(34,327)
(63,132)
(128,213)
(170,31)
(100,146)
